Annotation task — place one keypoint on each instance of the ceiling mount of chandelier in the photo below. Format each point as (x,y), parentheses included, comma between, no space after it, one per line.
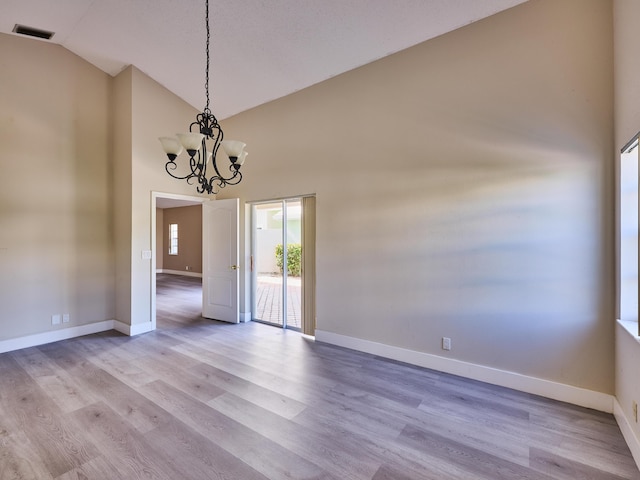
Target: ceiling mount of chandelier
(202,143)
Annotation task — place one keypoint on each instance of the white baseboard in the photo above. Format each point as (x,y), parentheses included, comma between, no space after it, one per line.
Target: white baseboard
(132,330)
(545,388)
(627,432)
(73,332)
(54,336)
(245,317)
(180,272)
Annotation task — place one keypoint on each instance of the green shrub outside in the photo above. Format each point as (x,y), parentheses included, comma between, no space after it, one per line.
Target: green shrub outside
(294,257)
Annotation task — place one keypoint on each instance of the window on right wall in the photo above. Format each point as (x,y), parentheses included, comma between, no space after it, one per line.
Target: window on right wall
(628,233)
(173,239)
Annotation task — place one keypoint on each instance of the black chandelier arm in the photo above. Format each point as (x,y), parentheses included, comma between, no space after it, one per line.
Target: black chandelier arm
(234,179)
(203,187)
(172,165)
(222,182)
(207,124)
(197,168)
(197,171)
(190,179)
(214,162)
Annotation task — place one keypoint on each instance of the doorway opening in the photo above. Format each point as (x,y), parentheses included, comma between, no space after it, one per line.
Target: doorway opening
(283,269)
(176,280)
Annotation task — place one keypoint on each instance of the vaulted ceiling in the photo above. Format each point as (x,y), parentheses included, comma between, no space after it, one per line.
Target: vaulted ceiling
(261,50)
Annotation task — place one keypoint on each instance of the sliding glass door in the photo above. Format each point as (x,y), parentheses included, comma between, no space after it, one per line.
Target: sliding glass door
(276,263)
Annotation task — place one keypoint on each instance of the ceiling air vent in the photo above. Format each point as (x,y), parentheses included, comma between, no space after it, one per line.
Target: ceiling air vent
(32,32)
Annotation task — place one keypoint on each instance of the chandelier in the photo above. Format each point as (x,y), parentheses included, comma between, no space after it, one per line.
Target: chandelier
(202,143)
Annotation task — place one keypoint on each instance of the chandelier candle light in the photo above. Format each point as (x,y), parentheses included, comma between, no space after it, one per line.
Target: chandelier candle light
(202,146)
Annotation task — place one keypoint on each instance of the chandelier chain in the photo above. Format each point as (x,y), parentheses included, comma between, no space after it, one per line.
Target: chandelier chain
(202,142)
(206,82)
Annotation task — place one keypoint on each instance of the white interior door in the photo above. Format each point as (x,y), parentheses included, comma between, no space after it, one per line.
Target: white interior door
(220,270)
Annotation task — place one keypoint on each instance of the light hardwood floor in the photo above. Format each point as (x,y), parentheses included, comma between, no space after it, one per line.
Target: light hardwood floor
(198,399)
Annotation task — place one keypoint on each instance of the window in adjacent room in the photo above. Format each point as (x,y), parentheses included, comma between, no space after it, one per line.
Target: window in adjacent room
(173,239)
(628,246)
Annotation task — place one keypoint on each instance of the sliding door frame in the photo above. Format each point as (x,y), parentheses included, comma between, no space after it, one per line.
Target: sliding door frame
(307,307)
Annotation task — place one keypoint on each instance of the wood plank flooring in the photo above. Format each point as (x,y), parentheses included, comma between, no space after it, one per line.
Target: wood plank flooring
(198,400)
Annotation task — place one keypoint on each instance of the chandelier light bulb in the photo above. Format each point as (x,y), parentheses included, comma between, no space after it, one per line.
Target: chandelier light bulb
(191,142)
(233,148)
(171,146)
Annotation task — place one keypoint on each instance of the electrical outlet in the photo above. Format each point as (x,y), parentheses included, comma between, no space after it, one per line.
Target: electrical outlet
(634,406)
(65,318)
(55,319)
(446,343)
(187,268)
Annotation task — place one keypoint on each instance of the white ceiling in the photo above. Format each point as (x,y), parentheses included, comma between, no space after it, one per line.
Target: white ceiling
(260,49)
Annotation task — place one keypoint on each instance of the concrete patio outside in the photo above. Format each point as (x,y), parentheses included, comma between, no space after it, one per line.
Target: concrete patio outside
(269,300)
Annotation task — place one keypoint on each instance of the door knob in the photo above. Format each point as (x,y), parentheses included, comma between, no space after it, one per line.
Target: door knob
(233,267)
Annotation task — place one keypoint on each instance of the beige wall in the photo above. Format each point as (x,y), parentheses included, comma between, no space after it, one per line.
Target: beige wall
(121,147)
(56,230)
(464,189)
(189,220)
(627,123)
